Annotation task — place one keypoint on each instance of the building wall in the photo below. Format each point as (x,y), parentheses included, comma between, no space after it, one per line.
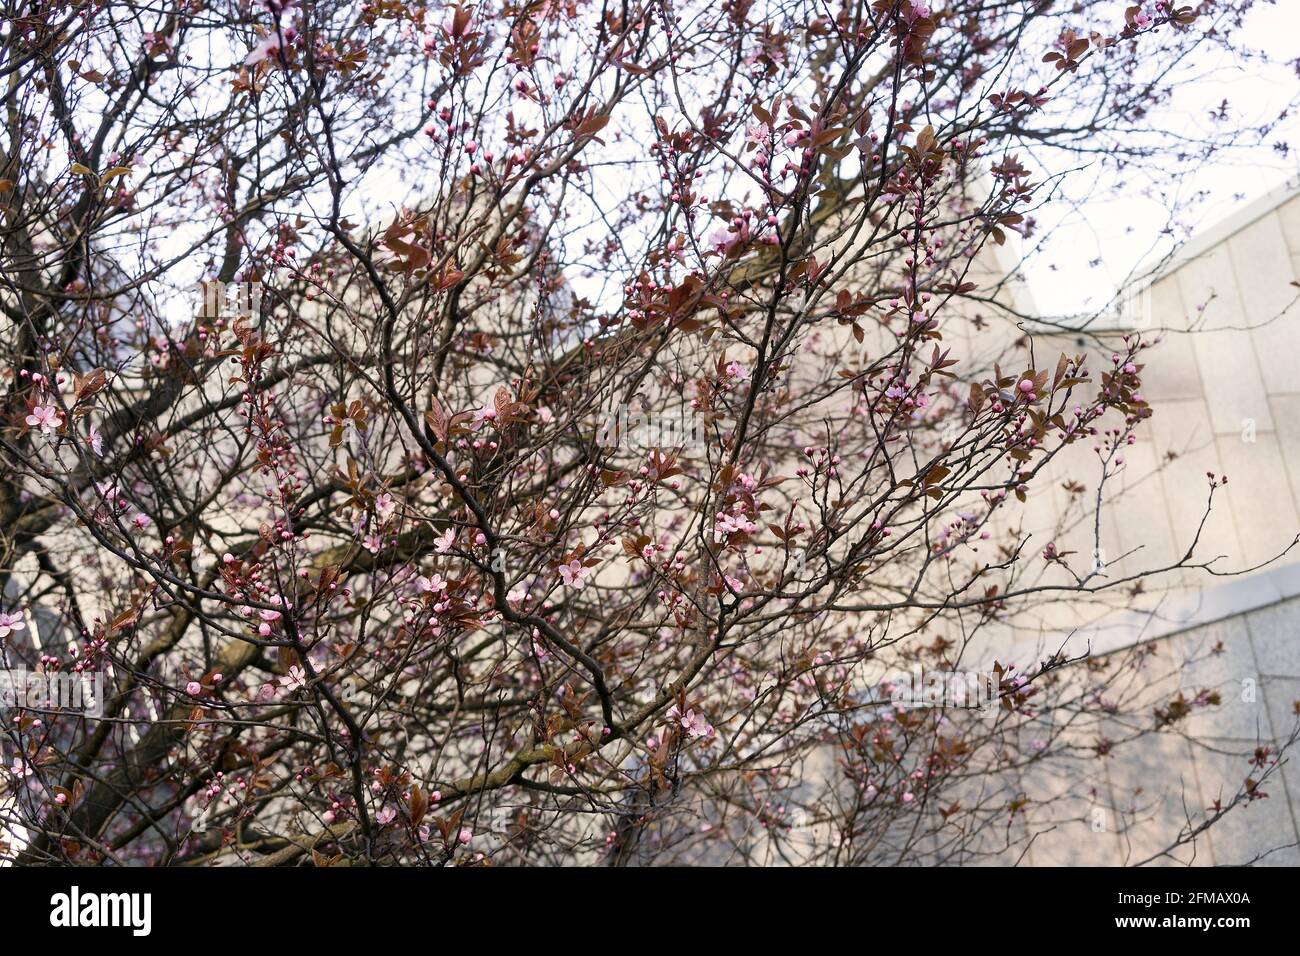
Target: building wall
(1225,387)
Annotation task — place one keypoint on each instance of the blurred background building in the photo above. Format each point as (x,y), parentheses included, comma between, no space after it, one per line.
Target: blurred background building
(1224,382)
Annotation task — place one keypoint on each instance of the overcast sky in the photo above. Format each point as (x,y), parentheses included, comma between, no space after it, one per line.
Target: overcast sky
(1083,252)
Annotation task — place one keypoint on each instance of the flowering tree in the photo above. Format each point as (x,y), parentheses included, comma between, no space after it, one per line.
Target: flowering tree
(611,403)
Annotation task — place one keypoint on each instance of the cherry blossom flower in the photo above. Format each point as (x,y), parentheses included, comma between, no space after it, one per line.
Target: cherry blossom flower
(442,544)
(46,418)
(386,816)
(96,441)
(10,623)
(574,574)
(108,490)
(430,585)
(920,8)
(693,725)
(373,543)
(385,505)
(736,371)
(268,618)
(726,241)
(295,679)
(20,768)
(727,525)
(268,45)
(262,49)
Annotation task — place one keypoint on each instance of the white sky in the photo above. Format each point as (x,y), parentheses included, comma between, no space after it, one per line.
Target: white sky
(1121,226)
(1080,252)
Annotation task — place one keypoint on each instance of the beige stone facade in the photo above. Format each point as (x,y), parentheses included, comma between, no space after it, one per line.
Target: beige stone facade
(1225,387)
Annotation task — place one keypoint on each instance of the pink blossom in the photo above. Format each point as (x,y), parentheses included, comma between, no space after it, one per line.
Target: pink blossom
(430,585)
(442,544)
(108,490)
(264,48)
(46,418)
(194,688)
(295,679)
(385,505)
(731,524)
(574,574)
(268,45)
(10,623)
(96,441)
(693,725)
(725,241)
(736,370)
(268,618)
(373,543)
